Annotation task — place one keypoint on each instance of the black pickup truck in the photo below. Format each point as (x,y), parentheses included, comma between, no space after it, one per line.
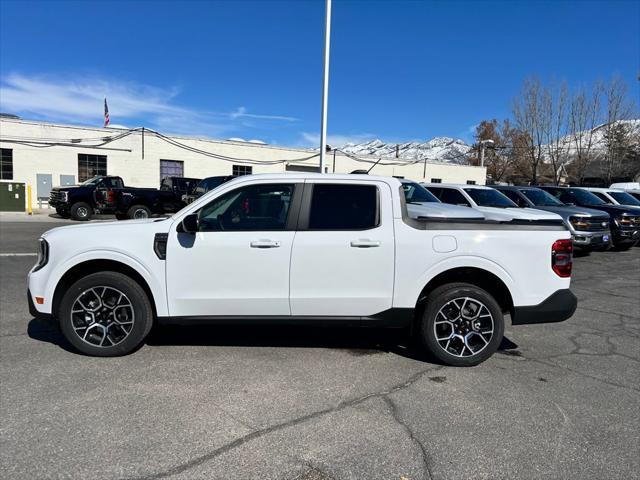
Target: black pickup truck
(78,201)
(128,202)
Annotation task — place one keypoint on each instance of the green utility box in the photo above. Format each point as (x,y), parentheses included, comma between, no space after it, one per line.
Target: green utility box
(12,197)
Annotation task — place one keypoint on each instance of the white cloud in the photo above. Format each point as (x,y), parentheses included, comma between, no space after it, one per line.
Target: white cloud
(313,139)
(82,100)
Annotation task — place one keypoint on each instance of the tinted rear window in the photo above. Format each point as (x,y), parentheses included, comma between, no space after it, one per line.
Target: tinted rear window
(343,207)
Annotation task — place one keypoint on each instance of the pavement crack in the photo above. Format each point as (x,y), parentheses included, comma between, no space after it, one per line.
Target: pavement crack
(425,455)
(183,467)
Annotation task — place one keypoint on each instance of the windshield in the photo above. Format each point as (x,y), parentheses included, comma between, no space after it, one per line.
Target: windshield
(489,198)
(623,198)
(91,181)
(416,193)
(540,198)
(584,197)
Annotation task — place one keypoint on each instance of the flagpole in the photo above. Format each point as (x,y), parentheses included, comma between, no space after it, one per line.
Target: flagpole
(325,86)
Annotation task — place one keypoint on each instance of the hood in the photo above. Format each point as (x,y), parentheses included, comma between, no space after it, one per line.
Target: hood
(514,213)
(118,227)
(567,211)
(616,209)
(65,188)
(442,210)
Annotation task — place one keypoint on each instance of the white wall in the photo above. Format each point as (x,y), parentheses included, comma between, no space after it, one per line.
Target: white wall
(124,156)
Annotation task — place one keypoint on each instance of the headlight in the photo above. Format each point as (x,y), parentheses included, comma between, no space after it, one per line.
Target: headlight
(579,223)
(64,196)
(43,254)
(624,221)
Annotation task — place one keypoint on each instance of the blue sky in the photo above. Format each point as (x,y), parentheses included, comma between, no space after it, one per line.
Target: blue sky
(399,70)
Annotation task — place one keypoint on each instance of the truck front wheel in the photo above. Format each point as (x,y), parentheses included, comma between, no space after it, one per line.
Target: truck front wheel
(462,325)
(105,314)
(81,211)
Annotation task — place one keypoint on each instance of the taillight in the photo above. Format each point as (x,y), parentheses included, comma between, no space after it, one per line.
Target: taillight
(561,257)
(111,196)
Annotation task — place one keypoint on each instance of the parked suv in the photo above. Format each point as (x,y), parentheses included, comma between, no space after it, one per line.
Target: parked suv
(78,201)
(493,204)
(624,222)
(589,228)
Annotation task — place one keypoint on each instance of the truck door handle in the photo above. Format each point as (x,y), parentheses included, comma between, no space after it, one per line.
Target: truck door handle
(265,244)
(364,243)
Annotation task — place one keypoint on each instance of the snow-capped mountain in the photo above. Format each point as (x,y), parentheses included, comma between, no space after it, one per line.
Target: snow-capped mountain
(451,150)
(439,149)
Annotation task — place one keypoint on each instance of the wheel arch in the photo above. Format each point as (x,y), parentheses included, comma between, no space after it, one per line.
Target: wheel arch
(479,277)
(97,265)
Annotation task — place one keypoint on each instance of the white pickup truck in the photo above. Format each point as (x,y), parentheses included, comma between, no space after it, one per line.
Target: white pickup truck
(304,248)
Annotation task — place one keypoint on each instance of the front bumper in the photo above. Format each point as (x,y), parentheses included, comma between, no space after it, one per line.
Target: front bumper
(559,306)
(591,239)
(34,312)
(625,237)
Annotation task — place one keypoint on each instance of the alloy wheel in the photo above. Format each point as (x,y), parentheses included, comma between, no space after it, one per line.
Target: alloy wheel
(463,327)
(102,316)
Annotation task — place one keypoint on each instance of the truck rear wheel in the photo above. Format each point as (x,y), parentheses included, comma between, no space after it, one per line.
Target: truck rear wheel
(105,314)
(138,212)
(462,324)
(81,211)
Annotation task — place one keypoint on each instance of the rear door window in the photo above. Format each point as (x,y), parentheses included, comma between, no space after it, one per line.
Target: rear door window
(344,207)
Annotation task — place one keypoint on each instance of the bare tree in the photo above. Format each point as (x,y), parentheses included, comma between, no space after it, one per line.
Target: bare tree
(528,112)
(618,107)
(555,127)
(585,115)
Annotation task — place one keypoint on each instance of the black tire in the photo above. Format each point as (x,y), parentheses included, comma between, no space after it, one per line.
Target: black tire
(81,211)
(138,212)
(138,312)
(122,216)
(62,213)
(443,298)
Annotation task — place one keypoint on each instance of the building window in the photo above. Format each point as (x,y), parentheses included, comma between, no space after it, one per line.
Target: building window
(171,168)
(91,165)
(471,182)
(239,170)
(436,180)
(6,164)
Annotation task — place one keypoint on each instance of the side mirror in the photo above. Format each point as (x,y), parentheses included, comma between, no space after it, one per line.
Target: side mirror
(190,223)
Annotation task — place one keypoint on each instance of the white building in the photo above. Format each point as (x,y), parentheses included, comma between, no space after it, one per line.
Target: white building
(47,154)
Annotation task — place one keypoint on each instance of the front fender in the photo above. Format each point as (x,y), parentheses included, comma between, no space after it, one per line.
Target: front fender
(156,284)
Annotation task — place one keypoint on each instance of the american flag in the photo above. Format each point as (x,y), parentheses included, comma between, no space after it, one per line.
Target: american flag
(106,112)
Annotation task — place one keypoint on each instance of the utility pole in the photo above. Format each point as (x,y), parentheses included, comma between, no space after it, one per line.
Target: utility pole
(325,86)
(482,147)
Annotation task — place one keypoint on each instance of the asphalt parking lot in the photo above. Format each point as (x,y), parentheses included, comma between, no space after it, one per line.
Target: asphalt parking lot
(557,401)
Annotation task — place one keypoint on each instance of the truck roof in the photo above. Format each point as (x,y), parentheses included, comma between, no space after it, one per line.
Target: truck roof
(456,185)
(318,176)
